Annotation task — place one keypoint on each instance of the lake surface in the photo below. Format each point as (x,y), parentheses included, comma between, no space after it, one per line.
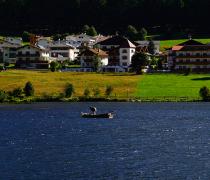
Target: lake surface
(144,141)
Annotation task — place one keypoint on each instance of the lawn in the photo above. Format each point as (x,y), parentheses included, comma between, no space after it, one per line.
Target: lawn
(179,85)
(169,43)
(50,83)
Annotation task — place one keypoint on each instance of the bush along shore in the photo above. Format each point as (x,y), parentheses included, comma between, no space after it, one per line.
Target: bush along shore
(27,95)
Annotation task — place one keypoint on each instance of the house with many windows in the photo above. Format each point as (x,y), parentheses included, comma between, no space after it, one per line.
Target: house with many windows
(33,57)
(62,51)
(189,55)
(120,51)
(89,55)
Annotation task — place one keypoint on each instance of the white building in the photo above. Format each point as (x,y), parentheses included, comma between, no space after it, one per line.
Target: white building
(14,40)
(87,59)
(120,52)
(32,57)
(62,51)
(81,39)
(8,51)
(44,42)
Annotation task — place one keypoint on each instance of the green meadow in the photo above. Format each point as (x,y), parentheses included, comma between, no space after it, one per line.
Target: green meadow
(125,85)
(178,85)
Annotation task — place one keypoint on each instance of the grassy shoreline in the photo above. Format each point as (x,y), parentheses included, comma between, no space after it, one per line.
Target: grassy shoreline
(157,87)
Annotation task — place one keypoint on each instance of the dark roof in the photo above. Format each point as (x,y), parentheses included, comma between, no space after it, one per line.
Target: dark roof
(92,52)
(195,48)
(118,41)
(190,42)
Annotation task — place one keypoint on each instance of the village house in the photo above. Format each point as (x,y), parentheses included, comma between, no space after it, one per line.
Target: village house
(33,57)
(43,42)
(62,51)
(8,51)
(81,40)
(14,40)
(142,46)
(87,59)
(120,51)
(189,55)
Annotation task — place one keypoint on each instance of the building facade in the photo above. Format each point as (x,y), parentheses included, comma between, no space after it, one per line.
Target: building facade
(189,55)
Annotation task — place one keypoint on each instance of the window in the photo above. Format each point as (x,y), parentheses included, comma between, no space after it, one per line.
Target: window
(188,54)
(124,51)
(124,57)
(204,54)
(188,60)
(197,60)
(197,54)
(124,64)
(205,60)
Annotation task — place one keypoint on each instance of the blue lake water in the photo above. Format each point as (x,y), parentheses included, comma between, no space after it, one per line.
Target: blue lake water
(144,141)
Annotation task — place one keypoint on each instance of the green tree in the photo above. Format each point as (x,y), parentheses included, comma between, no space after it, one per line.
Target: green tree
(69,90)
(204,93)
(138,61)
(92,31)
(29,89)
(96,63)
(132,33)
(54,66)
(142,34)
(151,47)
(109,90)
(26,36)
(85,28)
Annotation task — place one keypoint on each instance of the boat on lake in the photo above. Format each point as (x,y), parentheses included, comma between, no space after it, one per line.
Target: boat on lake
(105,115)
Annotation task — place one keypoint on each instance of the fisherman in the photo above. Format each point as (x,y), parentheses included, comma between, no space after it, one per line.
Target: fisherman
(93,110)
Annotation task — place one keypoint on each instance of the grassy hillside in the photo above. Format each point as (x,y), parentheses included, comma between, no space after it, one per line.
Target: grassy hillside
(50,83)
(172,85)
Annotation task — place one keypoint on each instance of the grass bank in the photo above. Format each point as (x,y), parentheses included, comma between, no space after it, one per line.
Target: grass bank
(49,83)
(172,86)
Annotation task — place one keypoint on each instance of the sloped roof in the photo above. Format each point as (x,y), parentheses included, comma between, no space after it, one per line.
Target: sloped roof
(196,48)
(92,52)
(36,47)
(118,41)
(190,43)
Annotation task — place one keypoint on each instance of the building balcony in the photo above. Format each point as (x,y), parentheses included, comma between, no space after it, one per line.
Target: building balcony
(193,63)
(192,56)
(28,55)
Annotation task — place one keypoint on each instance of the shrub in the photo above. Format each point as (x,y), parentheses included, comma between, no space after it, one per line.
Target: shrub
(17,92)
(54,66)
(3,96)
(69,90)
(86,92)
(109,90)
(204,93)
(29,89)
(96,92)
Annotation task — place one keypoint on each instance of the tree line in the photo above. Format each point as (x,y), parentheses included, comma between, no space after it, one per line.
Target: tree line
(108,16)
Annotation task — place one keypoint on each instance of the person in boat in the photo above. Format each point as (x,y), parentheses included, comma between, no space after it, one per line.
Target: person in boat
(93,110)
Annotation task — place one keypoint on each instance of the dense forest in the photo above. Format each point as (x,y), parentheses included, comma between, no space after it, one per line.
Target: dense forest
(108,16)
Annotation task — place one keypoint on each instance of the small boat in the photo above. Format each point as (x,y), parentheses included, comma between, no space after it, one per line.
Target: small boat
(105,115)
